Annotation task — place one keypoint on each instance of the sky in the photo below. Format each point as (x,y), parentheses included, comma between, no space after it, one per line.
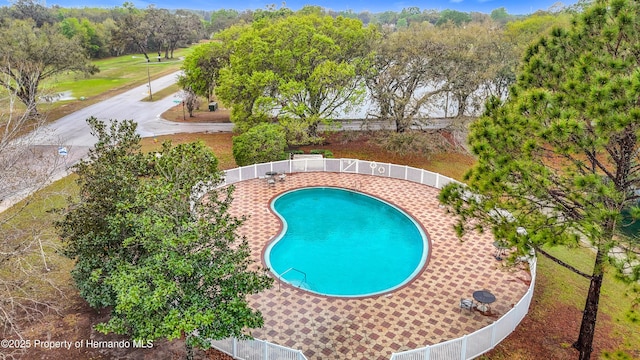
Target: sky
(514,7)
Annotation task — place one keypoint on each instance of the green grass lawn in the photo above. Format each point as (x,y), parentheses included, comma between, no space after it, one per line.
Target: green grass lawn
(116,73)
(616,296)
(163,93)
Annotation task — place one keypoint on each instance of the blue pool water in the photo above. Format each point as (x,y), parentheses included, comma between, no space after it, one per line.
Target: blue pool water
(338,242)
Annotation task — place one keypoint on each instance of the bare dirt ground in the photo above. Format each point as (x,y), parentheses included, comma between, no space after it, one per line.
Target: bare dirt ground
(546,333)
(202,114)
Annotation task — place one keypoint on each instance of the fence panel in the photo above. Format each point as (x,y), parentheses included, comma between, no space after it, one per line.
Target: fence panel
(315,164)
(332,165)
(429,178)
(367,167)
(414,175)
(232,176)
(251,350)
(299,165)
(280,166)
(504,326)
(397,172)
(248,172)
(442,181)
(263,169)
(224,345)
(418,354)
(349,165)
(478,342)
(277,352)
(447,350)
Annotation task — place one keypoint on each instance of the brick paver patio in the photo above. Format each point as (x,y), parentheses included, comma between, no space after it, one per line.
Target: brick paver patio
(425,311)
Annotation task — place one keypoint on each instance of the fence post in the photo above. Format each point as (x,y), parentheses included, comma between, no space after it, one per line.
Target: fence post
(493,336)
(463,348)
(265,353)
(234,347)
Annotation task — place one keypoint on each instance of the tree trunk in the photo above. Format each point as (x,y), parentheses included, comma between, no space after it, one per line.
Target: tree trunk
(28,98)
(589,315)
(312,130)
(462,104)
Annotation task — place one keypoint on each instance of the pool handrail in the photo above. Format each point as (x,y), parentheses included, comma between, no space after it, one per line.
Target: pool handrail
(280,276)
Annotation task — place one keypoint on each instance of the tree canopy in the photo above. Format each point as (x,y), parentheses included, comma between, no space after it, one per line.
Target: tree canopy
(406,75)
(301,67)
(262,143)
(202,67)
(30,54)
(559,161)
(153,240)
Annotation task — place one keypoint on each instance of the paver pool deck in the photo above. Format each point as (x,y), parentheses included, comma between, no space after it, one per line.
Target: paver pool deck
(424,311)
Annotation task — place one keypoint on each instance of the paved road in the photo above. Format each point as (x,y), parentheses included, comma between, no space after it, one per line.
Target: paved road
(73,134)
(73,131)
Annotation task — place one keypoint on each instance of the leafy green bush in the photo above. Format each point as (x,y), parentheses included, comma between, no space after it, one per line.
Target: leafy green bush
(261,143)
(323,152)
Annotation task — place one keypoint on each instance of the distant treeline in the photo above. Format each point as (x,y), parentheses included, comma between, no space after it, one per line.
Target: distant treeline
(155,32)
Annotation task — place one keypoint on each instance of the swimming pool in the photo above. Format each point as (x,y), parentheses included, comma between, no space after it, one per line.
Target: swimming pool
(339,242)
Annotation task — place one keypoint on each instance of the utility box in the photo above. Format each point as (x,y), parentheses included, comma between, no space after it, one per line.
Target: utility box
(213,106)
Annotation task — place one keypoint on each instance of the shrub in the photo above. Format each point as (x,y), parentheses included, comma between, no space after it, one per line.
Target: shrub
(323,152)
(261,143)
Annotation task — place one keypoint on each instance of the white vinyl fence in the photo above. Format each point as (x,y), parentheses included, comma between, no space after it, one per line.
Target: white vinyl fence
(481,341)
(338,165)
(466,347)
(256,350)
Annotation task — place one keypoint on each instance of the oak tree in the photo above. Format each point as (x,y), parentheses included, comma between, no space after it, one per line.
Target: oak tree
(31,54)
(406,76)
(201,68)
(305,68)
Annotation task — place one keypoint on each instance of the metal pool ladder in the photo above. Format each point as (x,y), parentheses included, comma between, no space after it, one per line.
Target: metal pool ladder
(304,280)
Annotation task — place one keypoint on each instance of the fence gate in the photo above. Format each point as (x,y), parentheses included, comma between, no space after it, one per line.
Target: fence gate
(349,165)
